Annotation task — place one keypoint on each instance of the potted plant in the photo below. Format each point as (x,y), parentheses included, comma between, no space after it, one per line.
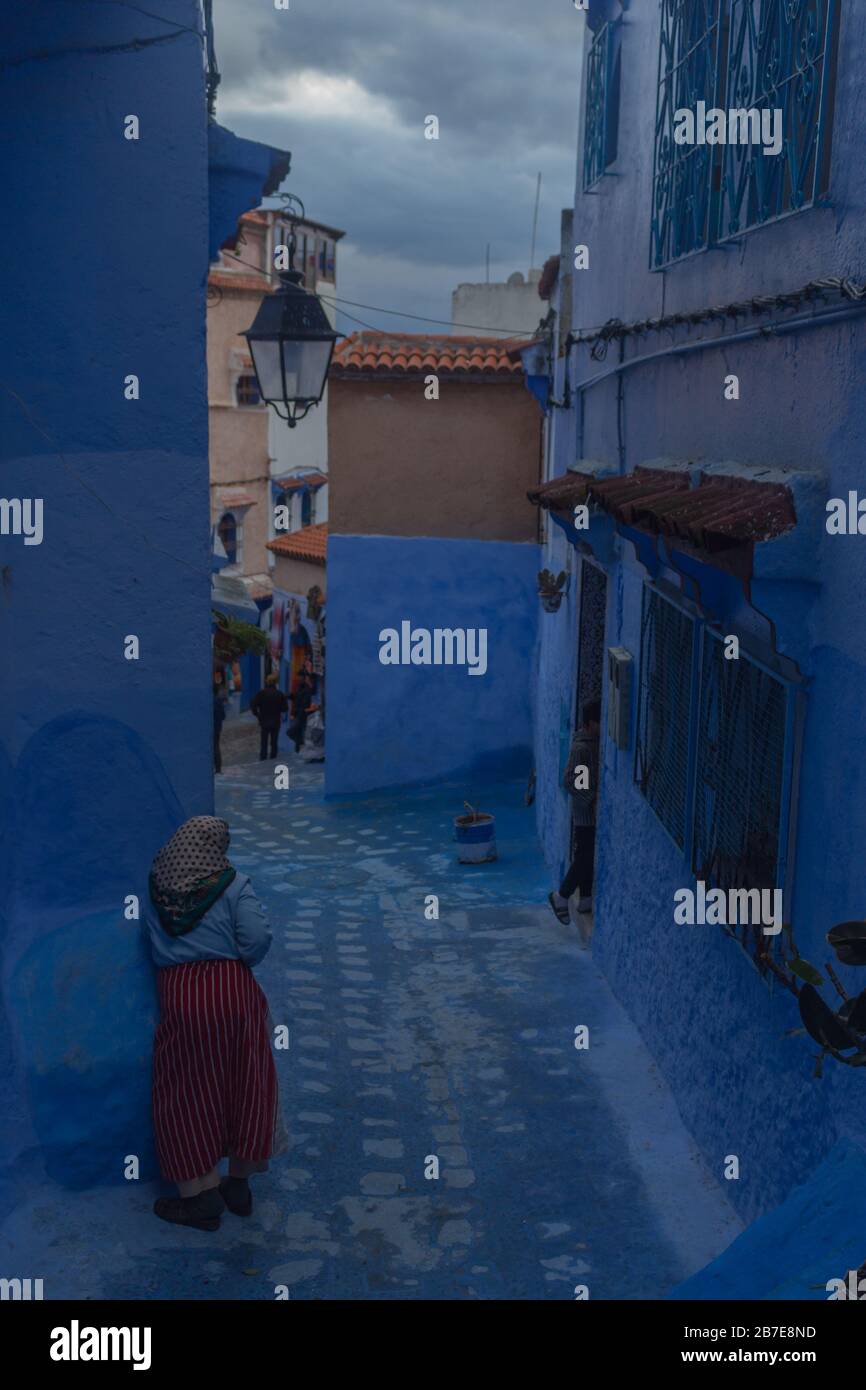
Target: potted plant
(843,1030)
(475,834)
(232,637)
(551,589)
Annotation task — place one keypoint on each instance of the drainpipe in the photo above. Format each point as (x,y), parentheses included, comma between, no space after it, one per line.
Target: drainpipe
(581,412)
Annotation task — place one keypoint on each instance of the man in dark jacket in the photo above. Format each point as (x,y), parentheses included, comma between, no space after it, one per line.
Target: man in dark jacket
(301,701)
(581,782)
(269,706)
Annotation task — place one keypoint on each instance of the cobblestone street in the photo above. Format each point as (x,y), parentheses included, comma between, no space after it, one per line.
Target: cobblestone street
(411,1039)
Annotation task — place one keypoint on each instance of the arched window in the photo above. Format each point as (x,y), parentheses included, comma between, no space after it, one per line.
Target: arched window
(307,507)
(227,531)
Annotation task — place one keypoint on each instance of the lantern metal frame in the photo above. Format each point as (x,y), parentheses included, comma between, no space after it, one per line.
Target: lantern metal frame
(291,314)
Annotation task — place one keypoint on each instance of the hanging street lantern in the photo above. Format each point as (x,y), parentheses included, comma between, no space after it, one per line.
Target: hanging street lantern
(291,343)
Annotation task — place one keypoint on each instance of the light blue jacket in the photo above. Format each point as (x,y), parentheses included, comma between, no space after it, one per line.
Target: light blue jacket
(235,928)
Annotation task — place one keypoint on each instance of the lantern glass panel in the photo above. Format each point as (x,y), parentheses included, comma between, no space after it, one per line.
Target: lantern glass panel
(305,364)
(266,358)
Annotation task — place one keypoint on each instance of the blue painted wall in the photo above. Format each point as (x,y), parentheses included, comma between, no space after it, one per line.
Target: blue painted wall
(720,1035)
(792,1252)
(389,725)
(554,708)
(100,757)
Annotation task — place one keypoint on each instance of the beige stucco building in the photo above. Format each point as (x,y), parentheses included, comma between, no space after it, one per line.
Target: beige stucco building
(250,448)
(300,560)
(434,443)
(499,307)
(405,464)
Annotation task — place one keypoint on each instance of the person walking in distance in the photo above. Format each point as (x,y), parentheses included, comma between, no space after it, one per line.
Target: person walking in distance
(302,699)
(581,782)
(269,706)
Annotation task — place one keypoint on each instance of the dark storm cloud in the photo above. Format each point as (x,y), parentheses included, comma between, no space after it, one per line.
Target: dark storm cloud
(483,63)
(346,87)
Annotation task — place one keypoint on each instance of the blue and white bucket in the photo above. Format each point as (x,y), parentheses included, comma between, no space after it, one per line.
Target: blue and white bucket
(476,838)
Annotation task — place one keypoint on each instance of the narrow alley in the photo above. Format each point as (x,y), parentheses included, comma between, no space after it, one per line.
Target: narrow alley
(431,682)
(412,1038)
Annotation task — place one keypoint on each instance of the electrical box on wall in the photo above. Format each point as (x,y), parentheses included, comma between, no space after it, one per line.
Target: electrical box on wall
(620,669)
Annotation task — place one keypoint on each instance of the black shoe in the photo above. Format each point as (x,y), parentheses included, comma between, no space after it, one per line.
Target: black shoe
(561,912)
(202,1211)
(237,1196)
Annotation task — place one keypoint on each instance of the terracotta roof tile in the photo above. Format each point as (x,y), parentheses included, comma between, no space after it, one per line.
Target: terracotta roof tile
(236,280)
(236,497)
(295,481)
(400,354)
(713,513)
(560,494)
(721,511)
(310,543)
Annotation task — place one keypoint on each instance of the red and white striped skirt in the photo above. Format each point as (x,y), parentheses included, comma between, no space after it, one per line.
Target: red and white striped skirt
(214,1080)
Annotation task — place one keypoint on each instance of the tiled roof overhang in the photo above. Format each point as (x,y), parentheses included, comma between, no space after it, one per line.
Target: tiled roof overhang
(560,494)
(407,354)
(237,280)
(715,515)
(722,511)
(235,497)
(310,544)
(296,482)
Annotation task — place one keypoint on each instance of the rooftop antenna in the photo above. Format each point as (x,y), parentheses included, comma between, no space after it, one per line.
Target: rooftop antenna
(535,221)
(488,262)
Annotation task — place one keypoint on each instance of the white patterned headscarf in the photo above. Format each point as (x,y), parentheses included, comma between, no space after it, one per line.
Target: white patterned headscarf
(190,871)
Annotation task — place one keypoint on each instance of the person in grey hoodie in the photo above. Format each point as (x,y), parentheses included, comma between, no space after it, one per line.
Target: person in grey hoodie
(583,754)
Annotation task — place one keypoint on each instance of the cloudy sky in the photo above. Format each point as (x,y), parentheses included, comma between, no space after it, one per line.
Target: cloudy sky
(346,86)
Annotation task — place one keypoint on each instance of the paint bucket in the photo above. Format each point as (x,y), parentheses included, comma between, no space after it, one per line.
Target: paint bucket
(476,838)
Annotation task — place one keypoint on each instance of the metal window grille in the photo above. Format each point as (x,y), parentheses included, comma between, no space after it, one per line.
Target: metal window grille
(247,391)
(688,72)
(664,712)
(781,57)
(601,115)
(742,747)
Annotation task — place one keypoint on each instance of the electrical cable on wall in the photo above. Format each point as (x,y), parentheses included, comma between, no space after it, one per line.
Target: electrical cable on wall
(604,333)
(758,304)
(376,308)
